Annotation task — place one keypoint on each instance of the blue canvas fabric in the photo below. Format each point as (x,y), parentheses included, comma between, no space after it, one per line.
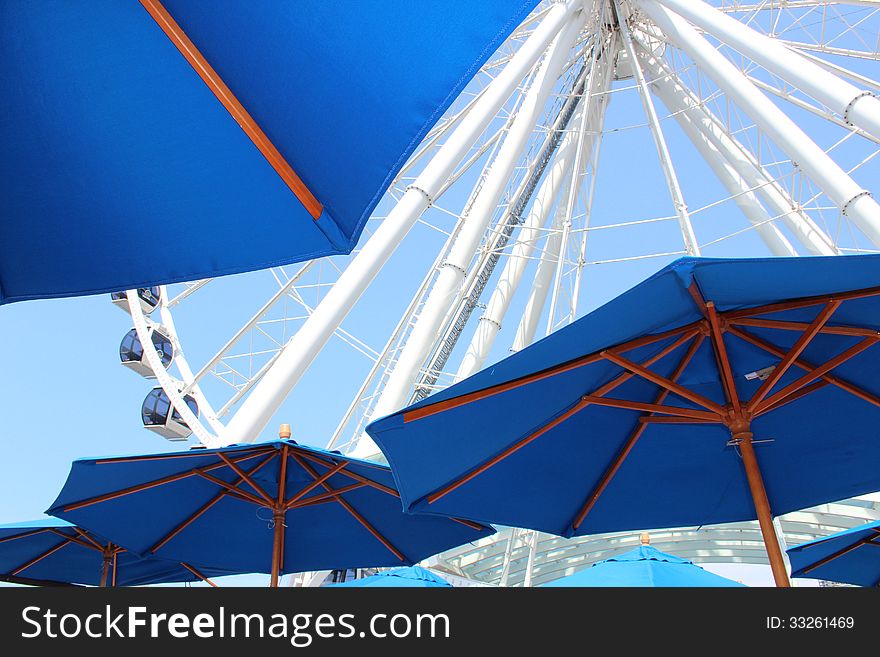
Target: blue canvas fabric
(409,577)
(23,542)
(858,561)
(643,567)
(818,448)
(235,534)
(121,168)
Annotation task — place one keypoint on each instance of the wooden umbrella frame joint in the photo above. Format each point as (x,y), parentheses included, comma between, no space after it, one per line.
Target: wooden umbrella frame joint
(735,414)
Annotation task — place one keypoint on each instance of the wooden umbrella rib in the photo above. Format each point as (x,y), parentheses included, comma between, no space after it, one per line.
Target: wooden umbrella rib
(325,497)
(803,392)
(189,520)
(197,574)
(469,523)
(757,322)
(697,296)
(233,489)
(631,441)
(87,536)
(218,87)
(816,373)
(807,366)
(631,405)
(35,532)
(152,484)
(352,511)
(804,302)
(838,554)
(491,391)
(462,480)
(580,405)
(664,382)
(363,521)
(76,540)
(485,393)
(315,483)
(627,375)
(353,475)
(41,556)
(792,354)
(245,478)
(722,361)
(668,419)
(210,503)
(192,454)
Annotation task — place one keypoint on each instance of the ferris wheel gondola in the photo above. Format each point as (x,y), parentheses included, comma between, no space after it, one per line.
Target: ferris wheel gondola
(131,351)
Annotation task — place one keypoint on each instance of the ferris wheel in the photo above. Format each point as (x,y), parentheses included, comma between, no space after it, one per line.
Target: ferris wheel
(602,140)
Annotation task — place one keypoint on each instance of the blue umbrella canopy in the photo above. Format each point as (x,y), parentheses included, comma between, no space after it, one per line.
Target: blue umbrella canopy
(52,550)
(409,577)
(161,141)
(274,507)
(644,566)
(717,390)
(851,556)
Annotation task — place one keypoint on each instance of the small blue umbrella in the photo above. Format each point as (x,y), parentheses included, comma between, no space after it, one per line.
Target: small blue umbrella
(718,390)
(54,551)
(851,556)
(409,577)
(169,140)
(644,566)
(274,507)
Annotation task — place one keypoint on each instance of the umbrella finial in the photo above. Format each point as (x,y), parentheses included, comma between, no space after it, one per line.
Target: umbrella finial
(645,538)
(284,432)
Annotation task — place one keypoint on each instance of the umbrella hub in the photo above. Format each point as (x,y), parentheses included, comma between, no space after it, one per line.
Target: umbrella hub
(739,425)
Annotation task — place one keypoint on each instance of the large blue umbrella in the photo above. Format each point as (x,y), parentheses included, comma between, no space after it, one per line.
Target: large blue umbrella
(851,556)
(644,566)
(167,140)
(409,577)
(642,414)
(53,551)
(274,507)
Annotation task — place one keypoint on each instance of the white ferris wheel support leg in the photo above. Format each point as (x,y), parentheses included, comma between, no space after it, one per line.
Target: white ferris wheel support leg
(854,202)
(554,250)
(679,98)
(744,198)
(490,323)
(609,54)
(856,106)
(454,270)
(298,354)
(564,172)
(684,219)
(528,324)
(532,542)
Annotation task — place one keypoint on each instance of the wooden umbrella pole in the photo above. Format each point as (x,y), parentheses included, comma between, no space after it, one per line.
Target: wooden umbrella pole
(278,519)
(280,510)
(762,507)
(105,569)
